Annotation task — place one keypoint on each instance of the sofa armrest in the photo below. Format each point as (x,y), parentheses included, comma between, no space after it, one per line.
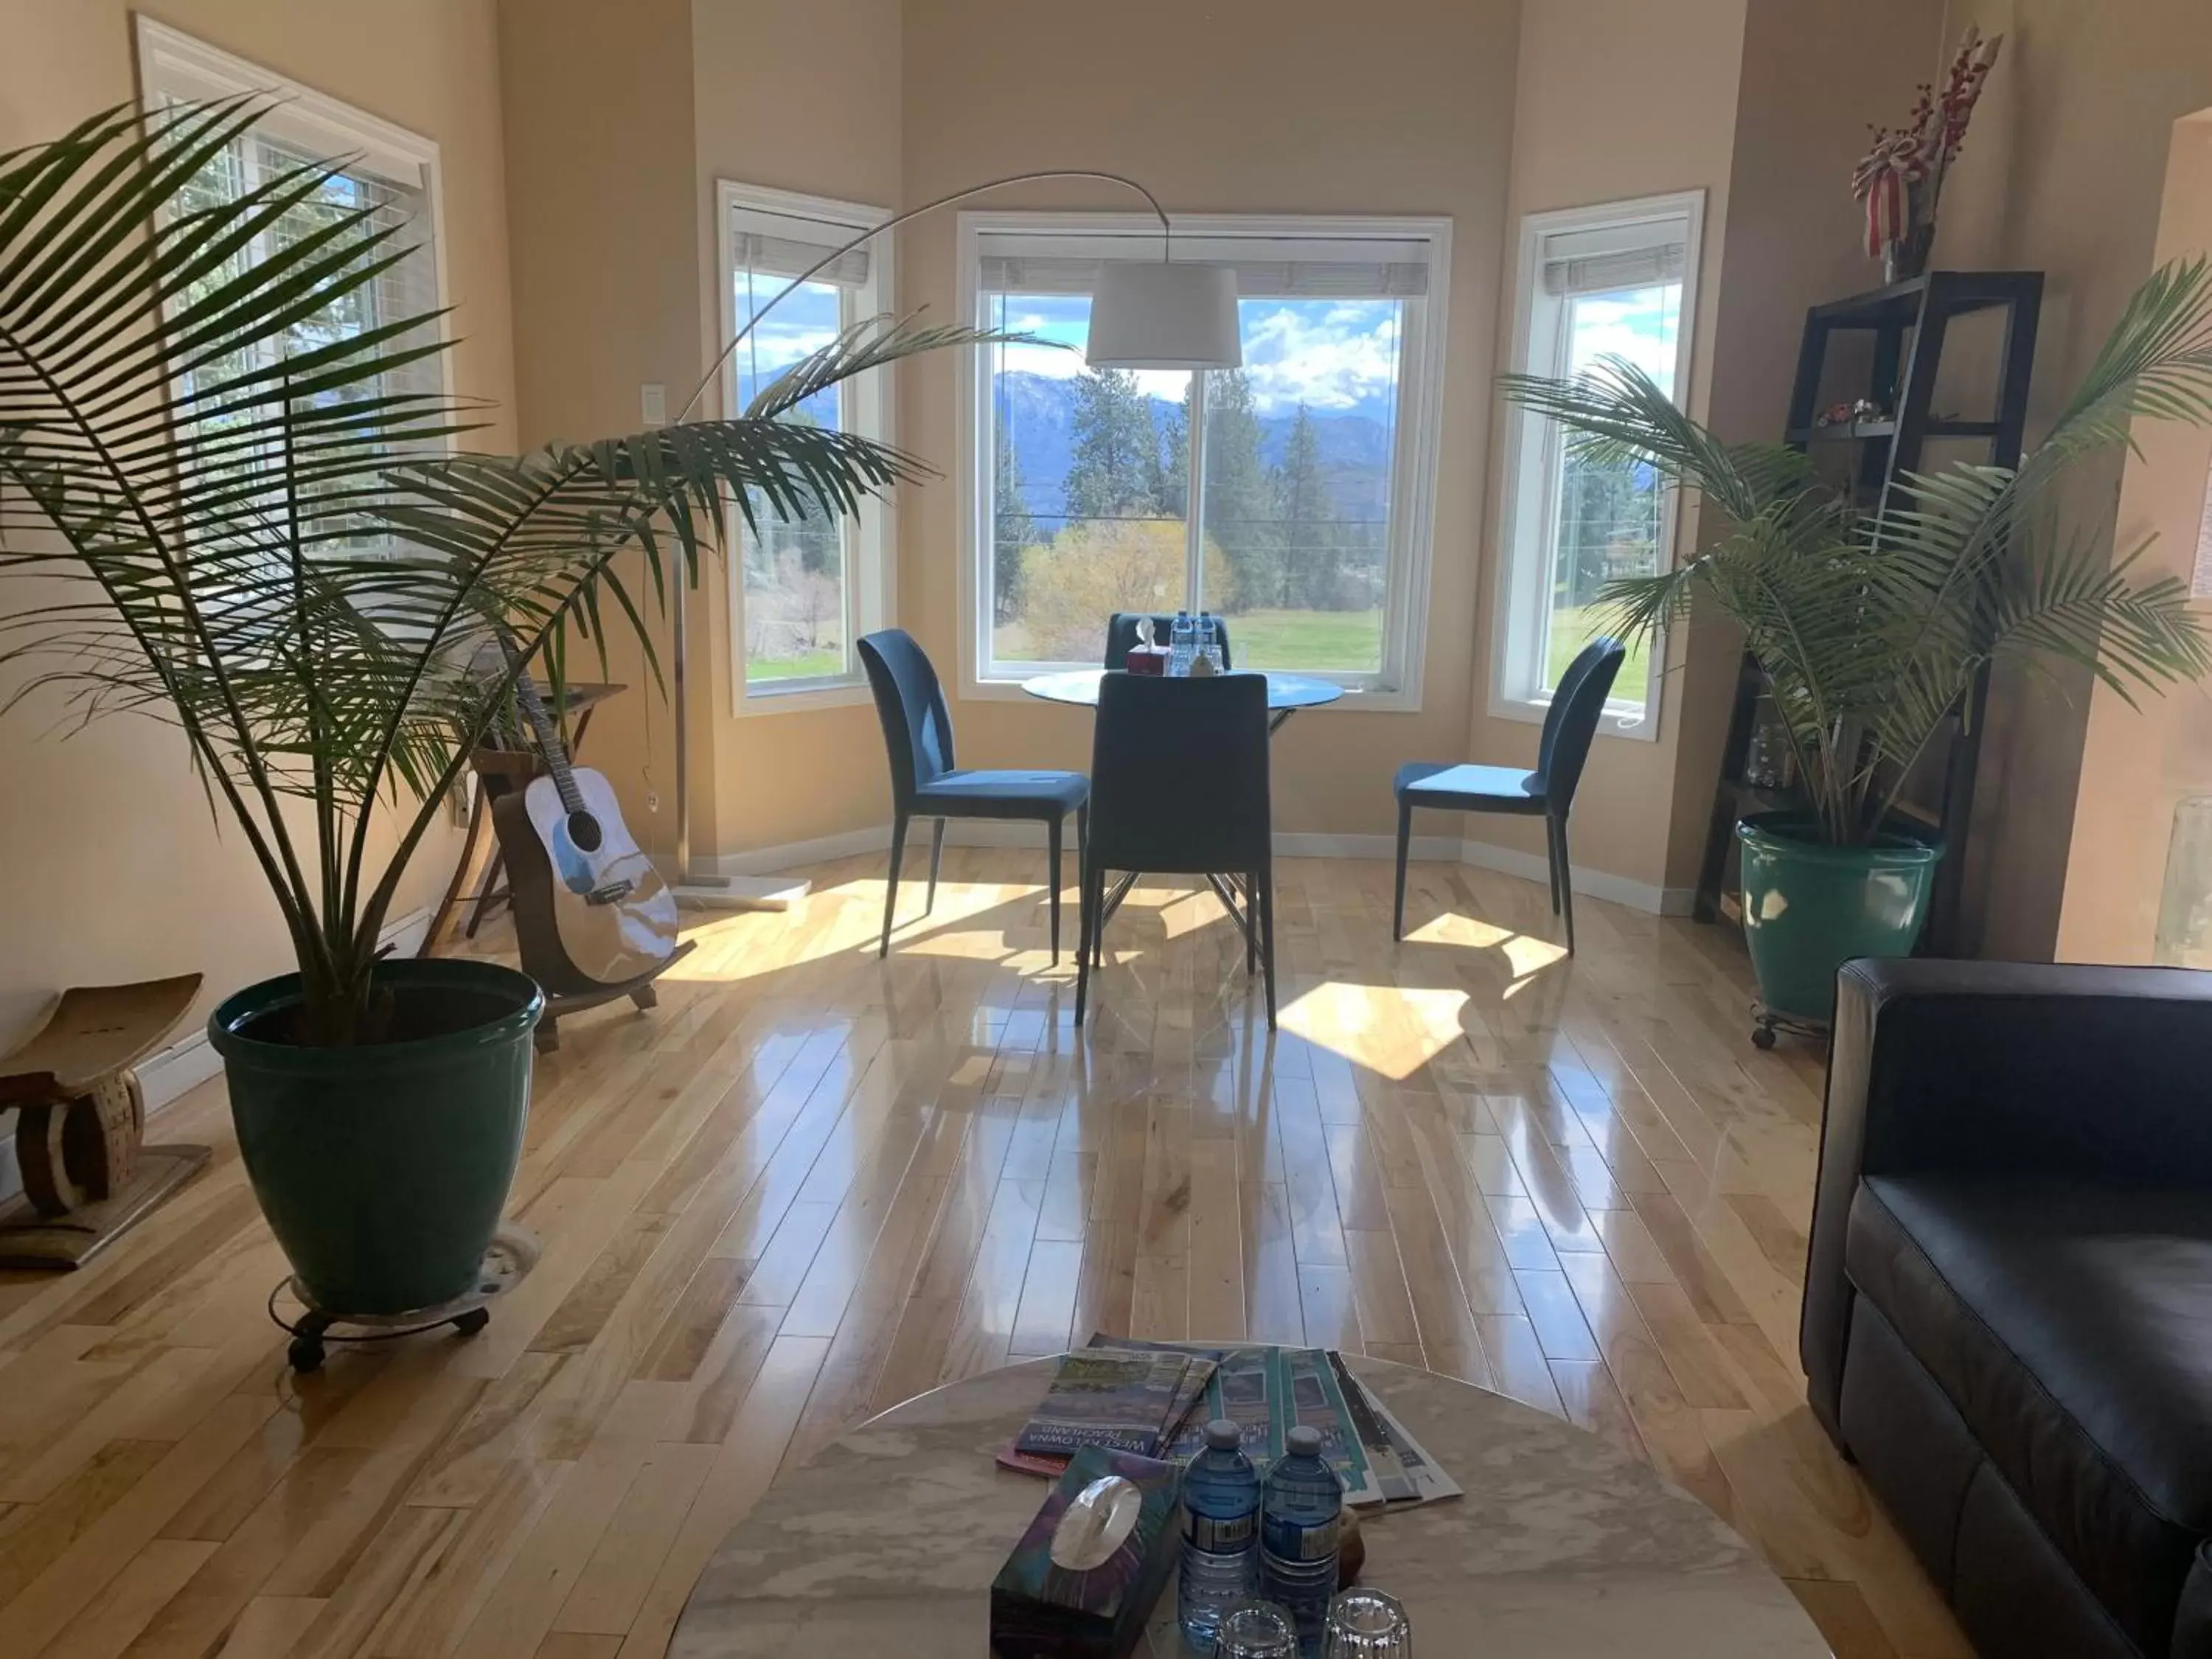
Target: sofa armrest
(1999,1066)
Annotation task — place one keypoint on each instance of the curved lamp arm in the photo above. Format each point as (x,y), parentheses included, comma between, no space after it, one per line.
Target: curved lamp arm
(1167,236)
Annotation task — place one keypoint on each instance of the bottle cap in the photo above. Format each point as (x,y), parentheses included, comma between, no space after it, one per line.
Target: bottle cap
(1223,1435)
(1303,1441)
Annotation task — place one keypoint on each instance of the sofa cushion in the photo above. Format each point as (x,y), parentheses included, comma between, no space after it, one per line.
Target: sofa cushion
(2070,1322)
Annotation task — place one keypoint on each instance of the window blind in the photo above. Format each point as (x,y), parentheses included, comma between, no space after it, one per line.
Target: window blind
(1616,257)
(1340,266)
(786,256)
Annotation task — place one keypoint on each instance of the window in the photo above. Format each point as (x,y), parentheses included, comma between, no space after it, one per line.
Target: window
(1593,282)
(804,589)
(391,172)
(1308,528)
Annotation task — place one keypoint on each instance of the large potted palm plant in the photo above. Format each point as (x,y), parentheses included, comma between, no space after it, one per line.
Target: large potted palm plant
(245,524)
(1871,627)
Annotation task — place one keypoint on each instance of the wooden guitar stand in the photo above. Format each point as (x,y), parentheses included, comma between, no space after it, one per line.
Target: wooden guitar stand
(80,1119)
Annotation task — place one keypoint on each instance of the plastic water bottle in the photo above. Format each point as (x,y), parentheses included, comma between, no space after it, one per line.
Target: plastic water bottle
(1182,644)
(1209,640)
(1298,1518)
(1221,1533)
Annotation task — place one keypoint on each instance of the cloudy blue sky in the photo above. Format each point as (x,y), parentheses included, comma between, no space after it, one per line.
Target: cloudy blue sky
(1332,356)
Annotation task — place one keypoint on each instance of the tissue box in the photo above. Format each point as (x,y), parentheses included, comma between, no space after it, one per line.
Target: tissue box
(1039,1610)
(1148,659)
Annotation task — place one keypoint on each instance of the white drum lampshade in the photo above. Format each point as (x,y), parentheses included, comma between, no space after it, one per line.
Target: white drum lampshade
(1159,314)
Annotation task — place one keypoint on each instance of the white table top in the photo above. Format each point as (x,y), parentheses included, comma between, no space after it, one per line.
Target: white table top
(1285,692)
(1563,1546)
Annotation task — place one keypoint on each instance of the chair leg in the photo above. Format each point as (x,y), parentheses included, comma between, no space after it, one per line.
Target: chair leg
(1052,881)
(1565,879)
(1251,923)
(891,886)
(1265,924)
(1552,860)
(1093,884)
(1082,880)
(1405,839)
(936,860)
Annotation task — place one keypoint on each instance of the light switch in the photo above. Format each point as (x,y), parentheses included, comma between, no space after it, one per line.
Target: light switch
(653,403)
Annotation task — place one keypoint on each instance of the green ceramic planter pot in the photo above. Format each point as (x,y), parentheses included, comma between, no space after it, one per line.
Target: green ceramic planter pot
(1809,907)
(382,1169)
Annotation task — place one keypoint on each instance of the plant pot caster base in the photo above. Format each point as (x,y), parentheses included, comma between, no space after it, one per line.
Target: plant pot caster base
(1767,1021)
(513,1254)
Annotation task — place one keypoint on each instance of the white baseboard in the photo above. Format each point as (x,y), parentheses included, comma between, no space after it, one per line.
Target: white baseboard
(1598,883)
(1289,844)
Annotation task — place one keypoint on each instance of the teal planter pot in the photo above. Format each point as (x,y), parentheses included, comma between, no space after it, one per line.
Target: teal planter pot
(382,1169)
(1809,907)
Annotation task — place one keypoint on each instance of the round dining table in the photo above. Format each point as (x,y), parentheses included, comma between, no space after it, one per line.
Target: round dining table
(1286,692)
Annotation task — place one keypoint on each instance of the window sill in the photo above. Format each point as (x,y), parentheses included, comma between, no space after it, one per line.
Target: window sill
(1639,724)
(799,699)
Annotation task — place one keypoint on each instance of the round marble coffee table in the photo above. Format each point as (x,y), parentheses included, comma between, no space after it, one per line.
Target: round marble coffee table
(1563,1546)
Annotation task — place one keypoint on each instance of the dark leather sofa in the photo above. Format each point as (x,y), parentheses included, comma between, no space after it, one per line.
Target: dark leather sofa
(2007,1319)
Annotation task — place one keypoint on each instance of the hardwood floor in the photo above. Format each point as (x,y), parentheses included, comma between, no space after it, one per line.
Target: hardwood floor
(814,1183)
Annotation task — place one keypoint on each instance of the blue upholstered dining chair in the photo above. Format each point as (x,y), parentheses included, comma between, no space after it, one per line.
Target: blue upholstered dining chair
(1179,786)
(1121,634)
(1570,724)
(928,783)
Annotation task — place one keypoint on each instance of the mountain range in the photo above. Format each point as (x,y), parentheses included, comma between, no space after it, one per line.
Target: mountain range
(1354,443)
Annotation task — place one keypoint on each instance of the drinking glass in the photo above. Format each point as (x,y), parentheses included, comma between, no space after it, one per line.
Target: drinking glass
(1365,1624)
(1256,1630)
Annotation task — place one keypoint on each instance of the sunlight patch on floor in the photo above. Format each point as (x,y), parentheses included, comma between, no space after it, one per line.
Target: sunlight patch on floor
(1393,1031)
(1451,928)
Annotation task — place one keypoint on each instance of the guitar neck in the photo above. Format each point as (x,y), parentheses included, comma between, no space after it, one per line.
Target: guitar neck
(548,740)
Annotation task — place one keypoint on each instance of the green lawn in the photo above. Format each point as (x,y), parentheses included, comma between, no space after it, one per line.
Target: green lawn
(805,665)
(1572,631)
(1339,641)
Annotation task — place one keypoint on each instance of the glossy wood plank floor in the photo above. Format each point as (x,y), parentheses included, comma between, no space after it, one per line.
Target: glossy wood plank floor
(813,1184)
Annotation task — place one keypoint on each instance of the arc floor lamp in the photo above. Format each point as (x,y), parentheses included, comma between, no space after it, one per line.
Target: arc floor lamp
(1164,313)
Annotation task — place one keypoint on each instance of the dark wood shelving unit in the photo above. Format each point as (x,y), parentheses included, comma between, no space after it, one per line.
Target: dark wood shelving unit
(1909,322)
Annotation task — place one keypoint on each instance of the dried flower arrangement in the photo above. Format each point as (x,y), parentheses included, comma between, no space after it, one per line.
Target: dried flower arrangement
(1900,178)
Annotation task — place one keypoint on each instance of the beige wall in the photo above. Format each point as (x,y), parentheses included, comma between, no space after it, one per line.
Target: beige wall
(1811,79)
(1293,107)
(2136,764)
(118,871)
(2066,175)
(1587,129)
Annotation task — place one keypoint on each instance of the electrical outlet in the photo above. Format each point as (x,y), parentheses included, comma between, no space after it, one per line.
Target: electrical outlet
(652,800)
(653,403)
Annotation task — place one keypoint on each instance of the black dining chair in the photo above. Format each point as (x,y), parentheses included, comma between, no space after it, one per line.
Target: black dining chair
(1548,792)
(1121,634)
(927,782)
(1179,786)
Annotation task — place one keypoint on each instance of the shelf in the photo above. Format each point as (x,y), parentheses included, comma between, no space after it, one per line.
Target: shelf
(1885,427)
(1898,305)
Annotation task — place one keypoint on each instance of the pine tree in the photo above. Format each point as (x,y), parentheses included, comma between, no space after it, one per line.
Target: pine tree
(1175,455)
(1116,457)
(1240,507)
(1311,553)
(1012,530)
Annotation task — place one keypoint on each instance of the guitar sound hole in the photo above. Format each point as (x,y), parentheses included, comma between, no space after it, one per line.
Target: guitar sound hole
(583,830)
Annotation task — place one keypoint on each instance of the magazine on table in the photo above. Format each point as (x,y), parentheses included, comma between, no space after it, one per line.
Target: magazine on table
(1124,1401)
(1267,1391)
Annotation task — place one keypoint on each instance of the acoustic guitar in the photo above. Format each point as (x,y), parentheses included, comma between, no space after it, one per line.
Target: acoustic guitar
(589,910)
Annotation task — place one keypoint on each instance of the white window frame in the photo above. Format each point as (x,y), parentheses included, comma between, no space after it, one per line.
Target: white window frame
(1522,576)
(172,64)
(1397,688)
(870,569)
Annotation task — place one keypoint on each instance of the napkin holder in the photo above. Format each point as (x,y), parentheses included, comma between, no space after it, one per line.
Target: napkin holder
(1043,1609)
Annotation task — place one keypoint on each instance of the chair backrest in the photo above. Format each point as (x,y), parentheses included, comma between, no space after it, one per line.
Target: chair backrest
(1179,773)
(1570,722)
(1121,634)
(910,703)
